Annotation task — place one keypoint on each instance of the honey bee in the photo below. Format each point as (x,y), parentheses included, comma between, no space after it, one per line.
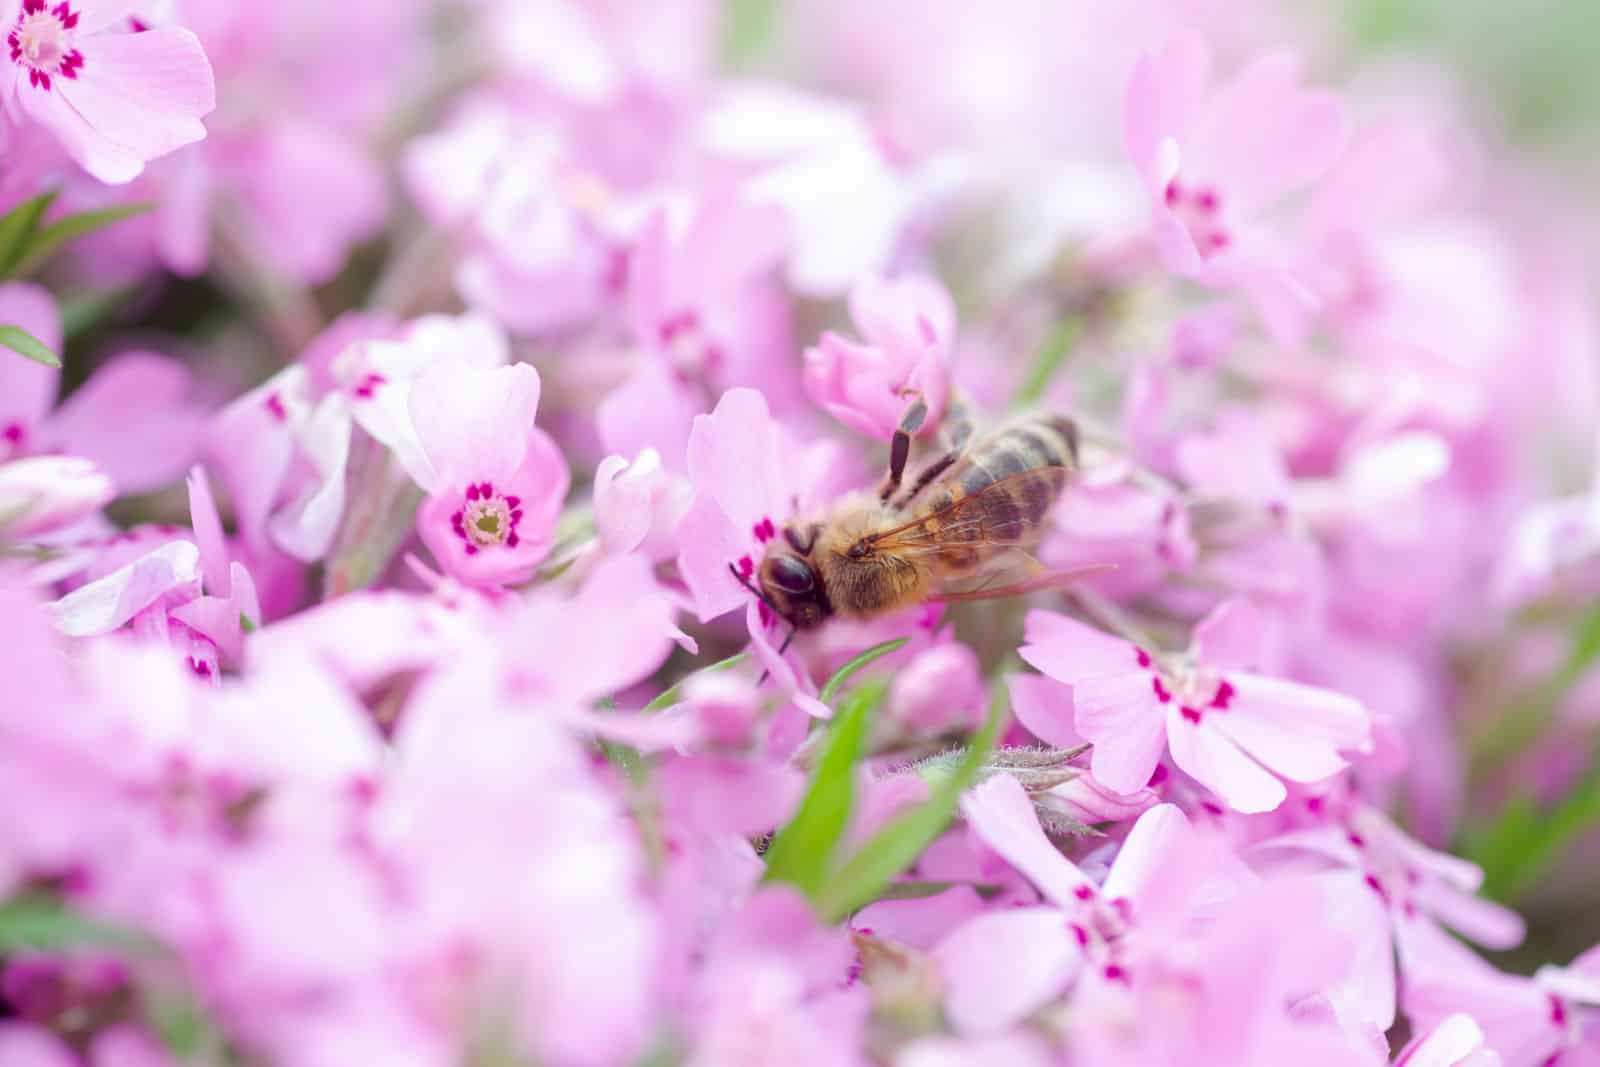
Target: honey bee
(959,532)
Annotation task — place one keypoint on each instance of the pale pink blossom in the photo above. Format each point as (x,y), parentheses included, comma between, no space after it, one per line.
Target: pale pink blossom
(1233,730)
(1216,159)
(909,330)
(114,100)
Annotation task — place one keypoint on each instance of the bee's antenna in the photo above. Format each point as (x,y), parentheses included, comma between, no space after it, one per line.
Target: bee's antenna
(759,595)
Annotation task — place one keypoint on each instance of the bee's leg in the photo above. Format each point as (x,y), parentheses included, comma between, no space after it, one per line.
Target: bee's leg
(900,445)
(956,432)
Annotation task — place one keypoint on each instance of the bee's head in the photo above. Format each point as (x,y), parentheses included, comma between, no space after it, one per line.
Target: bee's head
(793,587)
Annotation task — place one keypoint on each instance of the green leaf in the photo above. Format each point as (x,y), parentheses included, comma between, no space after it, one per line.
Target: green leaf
(84,311)
(750,28)
(1526,843)
(24,343)
(1516,730)
(898,843)
(924,890)
(843,674)
(802,852)
(1052,356)
(42,924)
(674,694)
(17,226)
(48,241)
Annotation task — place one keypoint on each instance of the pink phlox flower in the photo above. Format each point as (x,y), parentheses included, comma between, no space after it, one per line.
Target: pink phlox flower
(1104,518)
(940,689)
(745,489)
(1232,730)
(191,593)
(1081,925)
(114,100)
(1242,988)
(823,163)
(495,481)
(773,975)
(1217,159)
(566,652)
(1044,708)
(531,898)
(1392,894)
(596,56)
(1548,1020)
(1364,212)
(369,638)
(703,307)
(909,329)
(134,417)
(537,216)
(1549,540)
(377,375)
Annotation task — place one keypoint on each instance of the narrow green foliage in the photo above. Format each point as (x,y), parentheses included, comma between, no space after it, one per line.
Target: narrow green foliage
(43,924)
(898,843)
(674,694)
(750,28)
(1525,843)
(843,674)
(184,1028)
(1520,727)
(923,890)
(802,852)
(17,226)
(84,311)
(25,344)
(1052,356)
(46,242)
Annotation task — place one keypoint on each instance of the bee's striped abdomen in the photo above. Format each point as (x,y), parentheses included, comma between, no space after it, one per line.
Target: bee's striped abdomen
(1046,441)
(1015,513)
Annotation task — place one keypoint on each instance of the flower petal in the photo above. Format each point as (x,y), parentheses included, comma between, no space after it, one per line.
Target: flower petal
(141,95)
(1121,716)
(1000,967)
(1296,730)
(1205,754)
(1001,814)
(106,604)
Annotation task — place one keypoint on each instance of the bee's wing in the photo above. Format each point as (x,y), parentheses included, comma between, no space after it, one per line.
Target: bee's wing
(1006,512)
(1012,573)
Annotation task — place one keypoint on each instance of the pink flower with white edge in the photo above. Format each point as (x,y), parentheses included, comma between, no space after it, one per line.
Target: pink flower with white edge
(1456,1041)
(114,100)
(495,481)
(1234,731)
(49,493)
(1216,158)
(909,325)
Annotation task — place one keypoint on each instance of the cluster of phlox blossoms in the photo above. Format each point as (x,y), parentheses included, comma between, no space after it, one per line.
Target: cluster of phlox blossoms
(538,533)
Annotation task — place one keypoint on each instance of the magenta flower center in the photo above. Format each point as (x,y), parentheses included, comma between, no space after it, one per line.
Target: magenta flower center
(41,41)
(487,519)
(1196,690)
(1200,211)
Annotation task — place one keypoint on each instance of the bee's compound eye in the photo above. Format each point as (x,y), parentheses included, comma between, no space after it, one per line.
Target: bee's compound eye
(790,574)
